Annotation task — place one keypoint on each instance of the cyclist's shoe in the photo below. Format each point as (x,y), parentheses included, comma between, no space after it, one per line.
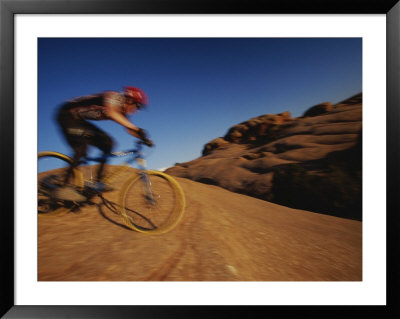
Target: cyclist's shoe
(68,193)
(98,186)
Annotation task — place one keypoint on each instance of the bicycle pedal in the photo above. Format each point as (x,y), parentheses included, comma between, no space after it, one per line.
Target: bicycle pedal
(68,194)
(98,187)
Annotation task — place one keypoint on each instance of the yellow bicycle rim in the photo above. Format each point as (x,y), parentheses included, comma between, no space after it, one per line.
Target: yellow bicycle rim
(78,181)
(178,209)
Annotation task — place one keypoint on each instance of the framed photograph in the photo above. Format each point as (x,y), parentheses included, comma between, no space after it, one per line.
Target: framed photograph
(294,102)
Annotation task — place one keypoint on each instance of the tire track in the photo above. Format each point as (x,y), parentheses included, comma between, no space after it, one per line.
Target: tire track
(185,230)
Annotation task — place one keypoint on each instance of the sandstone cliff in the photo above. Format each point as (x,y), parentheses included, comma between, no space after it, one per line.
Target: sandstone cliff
(311,162)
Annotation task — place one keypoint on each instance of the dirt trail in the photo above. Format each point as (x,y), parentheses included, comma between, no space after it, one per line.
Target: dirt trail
(224,236)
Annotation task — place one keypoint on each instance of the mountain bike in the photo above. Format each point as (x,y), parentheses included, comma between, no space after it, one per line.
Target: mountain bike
(150,202)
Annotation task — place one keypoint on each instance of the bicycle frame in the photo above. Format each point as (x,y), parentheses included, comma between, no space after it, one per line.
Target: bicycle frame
(138,157)
(145,210)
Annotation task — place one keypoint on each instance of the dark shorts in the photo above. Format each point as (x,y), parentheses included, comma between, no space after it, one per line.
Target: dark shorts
(80,133)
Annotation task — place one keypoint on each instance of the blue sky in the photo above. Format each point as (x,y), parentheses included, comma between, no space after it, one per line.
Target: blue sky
(198,87)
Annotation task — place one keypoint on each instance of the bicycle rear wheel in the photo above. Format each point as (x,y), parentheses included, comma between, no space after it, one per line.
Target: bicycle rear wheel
(52,169)
(154,213)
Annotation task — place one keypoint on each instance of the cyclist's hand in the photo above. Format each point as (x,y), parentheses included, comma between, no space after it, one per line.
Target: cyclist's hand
(144,137)
(148,142)
(142,134)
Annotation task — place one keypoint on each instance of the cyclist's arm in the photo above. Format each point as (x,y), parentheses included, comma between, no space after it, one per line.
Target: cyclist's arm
(113,113)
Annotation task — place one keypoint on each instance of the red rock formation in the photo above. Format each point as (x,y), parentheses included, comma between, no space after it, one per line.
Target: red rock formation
(245,160)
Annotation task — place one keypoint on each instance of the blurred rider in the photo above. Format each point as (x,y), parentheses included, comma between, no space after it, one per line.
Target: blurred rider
(73,118)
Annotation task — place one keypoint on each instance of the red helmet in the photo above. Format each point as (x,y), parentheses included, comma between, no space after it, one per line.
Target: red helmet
(137,94)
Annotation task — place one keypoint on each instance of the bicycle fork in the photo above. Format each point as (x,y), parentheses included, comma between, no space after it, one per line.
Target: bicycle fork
(148,193)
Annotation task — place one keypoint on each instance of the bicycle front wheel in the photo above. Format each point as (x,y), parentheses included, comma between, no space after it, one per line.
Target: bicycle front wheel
(52,169)
(153,203)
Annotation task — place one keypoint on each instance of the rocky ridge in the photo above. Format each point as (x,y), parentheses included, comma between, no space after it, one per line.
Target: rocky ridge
(311,162)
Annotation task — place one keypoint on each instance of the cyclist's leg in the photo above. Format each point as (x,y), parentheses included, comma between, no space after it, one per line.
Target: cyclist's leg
(68,191)
(72,130)
(79,149)
(102,141)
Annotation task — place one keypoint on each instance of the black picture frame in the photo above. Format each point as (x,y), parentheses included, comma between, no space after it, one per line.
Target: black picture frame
(9,8)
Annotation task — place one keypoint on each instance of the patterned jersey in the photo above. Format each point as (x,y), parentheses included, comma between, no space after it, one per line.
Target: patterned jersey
(92,107)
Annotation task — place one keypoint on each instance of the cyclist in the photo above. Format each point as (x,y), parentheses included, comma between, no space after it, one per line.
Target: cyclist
(73,118)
